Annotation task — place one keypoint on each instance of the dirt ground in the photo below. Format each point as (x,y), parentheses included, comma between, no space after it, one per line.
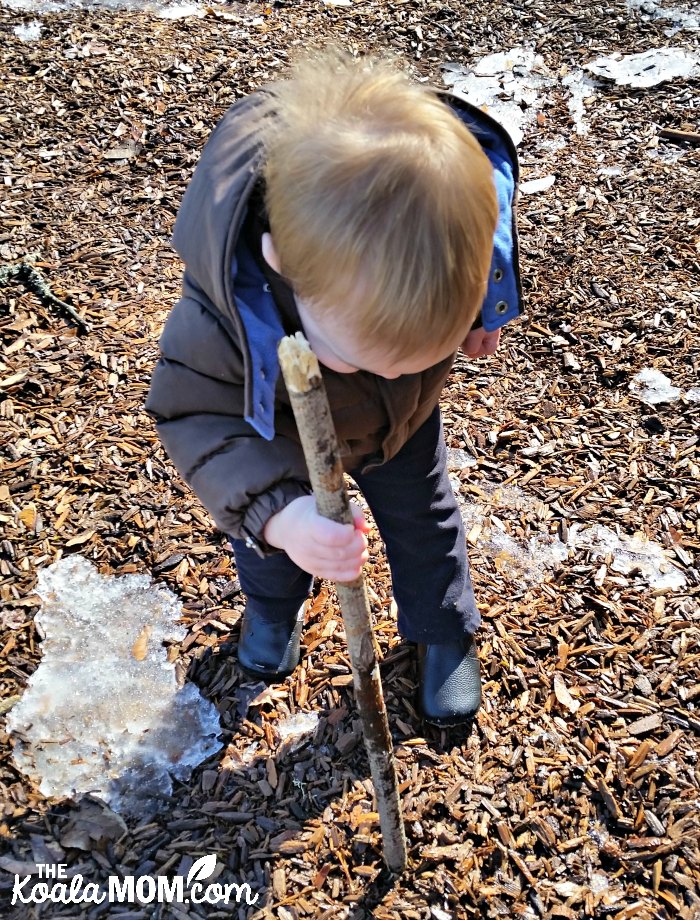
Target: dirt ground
(576,793)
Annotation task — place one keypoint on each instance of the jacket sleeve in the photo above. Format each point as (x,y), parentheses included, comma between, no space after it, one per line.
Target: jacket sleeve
(197,399)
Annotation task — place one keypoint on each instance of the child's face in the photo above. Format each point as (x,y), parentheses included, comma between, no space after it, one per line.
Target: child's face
(337,348)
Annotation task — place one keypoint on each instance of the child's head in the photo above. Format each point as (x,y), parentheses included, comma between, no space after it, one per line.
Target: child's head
(382,207)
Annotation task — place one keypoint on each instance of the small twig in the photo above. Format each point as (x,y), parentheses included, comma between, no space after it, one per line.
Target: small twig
(680,137)
(35,282)
(307,393)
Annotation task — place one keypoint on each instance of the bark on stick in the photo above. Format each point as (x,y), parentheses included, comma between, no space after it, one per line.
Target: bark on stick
(313,417)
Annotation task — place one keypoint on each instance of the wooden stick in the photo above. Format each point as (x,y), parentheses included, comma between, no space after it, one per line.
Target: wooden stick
(307,393)
(680,137)
(34,281)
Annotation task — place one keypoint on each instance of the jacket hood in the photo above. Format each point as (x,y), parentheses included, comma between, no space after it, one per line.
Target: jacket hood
(214,205)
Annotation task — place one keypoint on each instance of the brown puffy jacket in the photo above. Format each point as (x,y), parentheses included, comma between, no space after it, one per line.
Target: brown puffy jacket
(208,378)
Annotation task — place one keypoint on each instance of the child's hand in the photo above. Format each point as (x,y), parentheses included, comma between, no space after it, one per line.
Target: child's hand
(318,545)
(479,342)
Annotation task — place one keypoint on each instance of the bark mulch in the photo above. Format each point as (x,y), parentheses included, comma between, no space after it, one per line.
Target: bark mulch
(576,794)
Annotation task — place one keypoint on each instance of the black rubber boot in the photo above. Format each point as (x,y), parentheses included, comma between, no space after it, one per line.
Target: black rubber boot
(268,650)
(449,681)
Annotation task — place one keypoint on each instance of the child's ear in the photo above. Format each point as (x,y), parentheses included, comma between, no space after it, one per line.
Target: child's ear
(270,253)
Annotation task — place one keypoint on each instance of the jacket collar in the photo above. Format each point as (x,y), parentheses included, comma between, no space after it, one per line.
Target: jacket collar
(503,300)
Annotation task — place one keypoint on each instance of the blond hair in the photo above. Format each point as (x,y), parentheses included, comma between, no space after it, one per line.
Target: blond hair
(371,180)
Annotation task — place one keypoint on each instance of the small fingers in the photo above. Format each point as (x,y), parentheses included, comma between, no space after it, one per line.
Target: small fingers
(347,573)
(472,343)
(334,564)
(360,522)
(329,533)
(352,551)
(491,342)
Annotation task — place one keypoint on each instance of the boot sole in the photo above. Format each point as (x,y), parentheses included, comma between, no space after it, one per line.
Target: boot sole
(449,721)
(267,676)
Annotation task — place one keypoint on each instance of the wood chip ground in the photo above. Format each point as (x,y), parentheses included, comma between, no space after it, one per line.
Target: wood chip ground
(576,794)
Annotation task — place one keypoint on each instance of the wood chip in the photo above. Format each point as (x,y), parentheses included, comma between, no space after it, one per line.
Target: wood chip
(645,724)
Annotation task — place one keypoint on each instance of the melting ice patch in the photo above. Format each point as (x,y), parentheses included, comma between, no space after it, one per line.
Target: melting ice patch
(103,713)
(458,459)
(508,84)
(35,6)
(534,186)
(505,84)
(28,32)
(296,727)
(56,6)
(629,555)
(653,387)
(524,560)
(489,521)
(180,11)
(648,68)
(580,88)
(680,19)
(162,9)
(512,85)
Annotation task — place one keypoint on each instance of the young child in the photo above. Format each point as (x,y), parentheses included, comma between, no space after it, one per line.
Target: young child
(376,216)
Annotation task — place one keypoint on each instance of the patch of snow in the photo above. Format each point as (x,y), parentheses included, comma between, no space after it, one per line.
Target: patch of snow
(580,88)
(598,835)
(693,394)
(648,68)
(528,561)
(437,914)
(458,459)
(177,10)
(103,713)
(569,889)
(37,6)
(666,153)
(180,11)
(653,387)
(521,561)
(629,554)
(681,20)
(28,32)
(297,726)
(509,497)
(599,882)
(249,755)
(553,144)
(512,85)
(509,85)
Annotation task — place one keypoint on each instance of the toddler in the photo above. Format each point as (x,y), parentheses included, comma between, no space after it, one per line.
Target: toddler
(375,215)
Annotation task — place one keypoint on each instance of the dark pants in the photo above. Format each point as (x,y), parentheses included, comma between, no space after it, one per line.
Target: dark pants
(416,512)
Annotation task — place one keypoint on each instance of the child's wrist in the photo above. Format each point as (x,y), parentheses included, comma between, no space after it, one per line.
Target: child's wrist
(273,531)
(276,530)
